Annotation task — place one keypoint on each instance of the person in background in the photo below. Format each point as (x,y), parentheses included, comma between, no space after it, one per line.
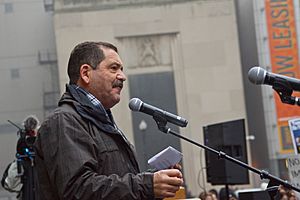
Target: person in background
(214,194)
(80,151)
(286,194)
(206,196)
(19,176)
(223,195)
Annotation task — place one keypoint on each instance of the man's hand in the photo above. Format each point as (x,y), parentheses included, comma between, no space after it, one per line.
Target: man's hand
(167,182)
(176,166)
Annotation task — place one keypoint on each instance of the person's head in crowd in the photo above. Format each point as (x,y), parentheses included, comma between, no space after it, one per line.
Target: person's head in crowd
(206,196)
(223,194)
(214,193)
(286,194)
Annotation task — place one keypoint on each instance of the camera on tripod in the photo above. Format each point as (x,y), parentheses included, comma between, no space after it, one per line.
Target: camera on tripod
(26,140)
(20,175)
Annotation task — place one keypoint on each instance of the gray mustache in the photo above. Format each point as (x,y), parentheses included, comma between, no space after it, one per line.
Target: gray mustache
(118,83)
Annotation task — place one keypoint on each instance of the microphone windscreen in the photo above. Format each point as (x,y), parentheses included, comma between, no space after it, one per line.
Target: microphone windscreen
(30,123)
(135,104)
(257,75)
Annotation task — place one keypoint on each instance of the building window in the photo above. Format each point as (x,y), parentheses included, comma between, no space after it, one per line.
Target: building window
(8,7)
(15,74)
(49,5)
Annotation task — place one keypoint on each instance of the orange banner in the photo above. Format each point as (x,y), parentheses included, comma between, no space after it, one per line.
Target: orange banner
(284,60)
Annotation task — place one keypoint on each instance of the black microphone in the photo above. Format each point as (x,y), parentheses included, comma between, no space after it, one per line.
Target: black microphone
(258,75)
(135,104)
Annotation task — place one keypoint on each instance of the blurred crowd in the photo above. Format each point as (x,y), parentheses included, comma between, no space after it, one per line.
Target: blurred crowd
(282,194)
(215,195)
(286,194)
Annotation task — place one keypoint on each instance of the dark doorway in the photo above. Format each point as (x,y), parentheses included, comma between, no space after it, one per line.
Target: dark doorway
(158,90)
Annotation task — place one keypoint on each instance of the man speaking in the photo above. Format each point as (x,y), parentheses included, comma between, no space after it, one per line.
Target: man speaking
(81,153)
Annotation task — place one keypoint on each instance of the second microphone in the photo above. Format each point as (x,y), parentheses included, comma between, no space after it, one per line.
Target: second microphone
(135,104)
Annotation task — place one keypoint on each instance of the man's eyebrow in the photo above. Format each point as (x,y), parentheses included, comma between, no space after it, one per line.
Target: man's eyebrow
(120,65)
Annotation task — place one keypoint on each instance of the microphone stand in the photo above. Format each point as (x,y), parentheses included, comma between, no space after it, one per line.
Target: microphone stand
(285,91)
(274,181)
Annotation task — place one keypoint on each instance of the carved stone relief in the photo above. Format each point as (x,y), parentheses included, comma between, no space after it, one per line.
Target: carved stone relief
(147,51)
(148,54)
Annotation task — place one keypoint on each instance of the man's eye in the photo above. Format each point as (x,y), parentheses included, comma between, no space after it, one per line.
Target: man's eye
(114,67)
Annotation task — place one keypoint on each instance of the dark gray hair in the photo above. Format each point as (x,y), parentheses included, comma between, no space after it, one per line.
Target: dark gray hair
(90,53)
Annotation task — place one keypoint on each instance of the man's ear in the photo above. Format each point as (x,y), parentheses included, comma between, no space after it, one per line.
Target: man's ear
(85,74)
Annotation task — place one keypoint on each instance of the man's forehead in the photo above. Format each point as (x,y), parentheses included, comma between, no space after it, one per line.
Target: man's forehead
(111,55)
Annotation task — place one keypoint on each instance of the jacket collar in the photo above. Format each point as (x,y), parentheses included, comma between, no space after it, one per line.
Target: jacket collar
(102,118)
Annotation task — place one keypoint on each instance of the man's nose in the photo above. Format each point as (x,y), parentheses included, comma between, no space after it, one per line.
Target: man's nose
(121,76)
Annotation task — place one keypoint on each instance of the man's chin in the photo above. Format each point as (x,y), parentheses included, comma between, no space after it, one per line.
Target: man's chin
(115,100)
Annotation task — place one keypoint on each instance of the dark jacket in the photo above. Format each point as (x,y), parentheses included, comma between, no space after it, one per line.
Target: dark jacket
(80,158)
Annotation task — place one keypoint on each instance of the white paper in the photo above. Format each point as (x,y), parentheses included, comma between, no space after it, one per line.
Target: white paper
(165,159)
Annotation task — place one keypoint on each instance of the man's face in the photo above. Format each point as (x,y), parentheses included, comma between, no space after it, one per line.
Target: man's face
(107,79)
